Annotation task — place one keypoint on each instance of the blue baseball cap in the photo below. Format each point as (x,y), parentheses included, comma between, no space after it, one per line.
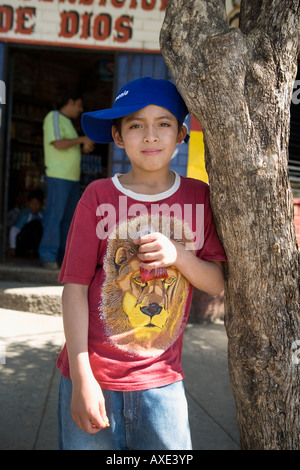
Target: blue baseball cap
(132,97)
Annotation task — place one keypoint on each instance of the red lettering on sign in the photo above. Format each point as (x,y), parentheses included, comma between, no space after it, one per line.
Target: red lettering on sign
(118,3)
(85,25)
(148,4)
(163,5)
(6,18)
(102,27)
(69,24)
(23,16)
(123,29)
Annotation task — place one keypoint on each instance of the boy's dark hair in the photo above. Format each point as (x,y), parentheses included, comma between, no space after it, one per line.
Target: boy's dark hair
(36,194)
(70,95)
(118,124)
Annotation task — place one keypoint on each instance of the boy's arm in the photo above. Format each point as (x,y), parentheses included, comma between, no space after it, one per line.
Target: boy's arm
(88,407)
(204,275)
(163,252)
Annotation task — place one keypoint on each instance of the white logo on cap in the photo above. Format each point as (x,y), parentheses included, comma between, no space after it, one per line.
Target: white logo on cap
(121,95)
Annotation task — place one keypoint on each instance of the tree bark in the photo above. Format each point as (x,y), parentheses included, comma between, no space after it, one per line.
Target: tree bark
(238,83)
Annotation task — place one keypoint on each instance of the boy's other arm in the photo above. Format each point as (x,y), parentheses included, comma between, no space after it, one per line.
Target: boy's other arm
(159,251)
(88,407)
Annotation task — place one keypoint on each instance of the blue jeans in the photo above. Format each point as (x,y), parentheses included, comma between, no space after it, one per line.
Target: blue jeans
(155,419)
(62,199)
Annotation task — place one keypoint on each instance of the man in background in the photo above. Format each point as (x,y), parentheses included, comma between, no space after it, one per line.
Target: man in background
(62,153)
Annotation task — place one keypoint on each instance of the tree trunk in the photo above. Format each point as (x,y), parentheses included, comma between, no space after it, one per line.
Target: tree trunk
(238,83)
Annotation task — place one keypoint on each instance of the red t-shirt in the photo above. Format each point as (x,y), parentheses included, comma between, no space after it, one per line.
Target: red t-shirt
(135,325)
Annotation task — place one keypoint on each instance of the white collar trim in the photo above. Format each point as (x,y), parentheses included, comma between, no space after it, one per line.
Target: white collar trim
(147,197)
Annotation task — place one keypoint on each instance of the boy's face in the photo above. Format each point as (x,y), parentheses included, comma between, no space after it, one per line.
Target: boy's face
(34,205)
(149,137)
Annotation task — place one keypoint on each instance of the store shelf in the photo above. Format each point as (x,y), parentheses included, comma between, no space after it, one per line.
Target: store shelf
(27,119)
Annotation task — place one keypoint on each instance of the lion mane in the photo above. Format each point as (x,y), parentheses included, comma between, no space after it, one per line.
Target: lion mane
(142,318)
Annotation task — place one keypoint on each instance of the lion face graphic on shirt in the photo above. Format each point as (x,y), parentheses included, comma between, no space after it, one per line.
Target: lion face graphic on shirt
(142,318)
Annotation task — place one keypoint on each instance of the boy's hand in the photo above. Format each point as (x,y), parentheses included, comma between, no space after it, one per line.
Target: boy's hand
(156,251)
(88,406)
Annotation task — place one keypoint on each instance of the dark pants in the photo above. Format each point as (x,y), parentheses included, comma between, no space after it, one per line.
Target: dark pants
(29,238)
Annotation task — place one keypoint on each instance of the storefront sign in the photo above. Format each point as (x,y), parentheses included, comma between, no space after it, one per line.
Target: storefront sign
(113,24)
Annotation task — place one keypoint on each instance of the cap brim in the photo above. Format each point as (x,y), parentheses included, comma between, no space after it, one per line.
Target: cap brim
(97,124)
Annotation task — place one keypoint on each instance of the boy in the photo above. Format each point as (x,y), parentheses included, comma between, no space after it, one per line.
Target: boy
(137,244)
(26,233)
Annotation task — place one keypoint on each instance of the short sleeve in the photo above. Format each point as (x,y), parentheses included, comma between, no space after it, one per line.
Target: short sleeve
(51,126)
(81,256)
(212,249)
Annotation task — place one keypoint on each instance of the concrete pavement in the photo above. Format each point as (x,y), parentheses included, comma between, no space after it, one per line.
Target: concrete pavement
(29,345)
(31,336)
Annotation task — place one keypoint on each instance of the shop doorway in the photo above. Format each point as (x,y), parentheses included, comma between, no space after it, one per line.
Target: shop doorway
(39,78)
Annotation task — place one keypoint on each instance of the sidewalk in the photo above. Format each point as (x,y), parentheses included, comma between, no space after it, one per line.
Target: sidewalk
(29,383)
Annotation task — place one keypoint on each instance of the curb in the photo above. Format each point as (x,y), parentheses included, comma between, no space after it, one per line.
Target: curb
(33,298)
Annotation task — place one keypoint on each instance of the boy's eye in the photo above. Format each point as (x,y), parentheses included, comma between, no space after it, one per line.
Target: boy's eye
(164,124)
(135,126)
